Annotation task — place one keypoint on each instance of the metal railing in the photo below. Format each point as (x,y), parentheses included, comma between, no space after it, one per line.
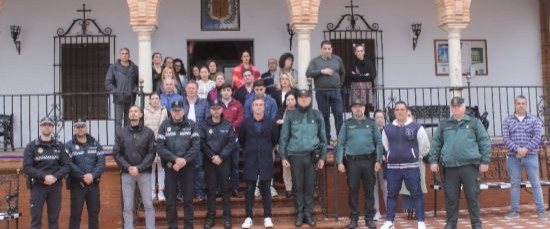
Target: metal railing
(98,108)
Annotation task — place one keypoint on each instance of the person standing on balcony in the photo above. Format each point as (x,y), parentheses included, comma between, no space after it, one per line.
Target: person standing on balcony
(359,155)
(122,82)
(522,135)
(238,71)
(303,148)
(462,147)
(179,148)
(258,136)
(362,74)
(217,145)
(87,165)
(45,162)
(405,141)
(328,72)
(134,152)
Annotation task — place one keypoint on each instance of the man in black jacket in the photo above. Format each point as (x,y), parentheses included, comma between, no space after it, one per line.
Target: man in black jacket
(122,81)
(87,165)
(134,152)
(178,147)
(45,163)
(217,144)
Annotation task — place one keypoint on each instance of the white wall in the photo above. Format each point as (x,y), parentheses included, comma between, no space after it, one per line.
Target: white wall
(511,28)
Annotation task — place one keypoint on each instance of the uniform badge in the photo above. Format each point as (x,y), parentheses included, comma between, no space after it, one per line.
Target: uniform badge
(77,147)
(367,126)
(40,150)
(467,126)
(169,164)
(210,131)
(168,129)
(312,121)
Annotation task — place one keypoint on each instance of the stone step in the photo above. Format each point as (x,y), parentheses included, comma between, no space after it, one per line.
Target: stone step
(237,212)
(279,200)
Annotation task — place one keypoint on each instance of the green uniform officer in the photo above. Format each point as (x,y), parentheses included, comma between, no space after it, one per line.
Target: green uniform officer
(303,143)
(462,147)
(360,148)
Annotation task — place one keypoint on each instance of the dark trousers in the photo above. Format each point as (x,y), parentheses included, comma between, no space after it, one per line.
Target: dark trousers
(185,176)
(51,195)
(235,157)
(199,177)
(330,100)
(411,177)
(264,186)
(466,176)
(361,171)
(81,194)
(121,113)
(216,177)
(303,180)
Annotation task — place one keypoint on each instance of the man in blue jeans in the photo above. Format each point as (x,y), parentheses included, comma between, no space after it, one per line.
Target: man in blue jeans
(404,140)
(328,71)
(522,136)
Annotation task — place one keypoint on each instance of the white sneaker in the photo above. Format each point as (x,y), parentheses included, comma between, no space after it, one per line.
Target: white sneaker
(274,192)
(377,216)
(154,195)
(387,225)
(268,223)
(247,223)
(421,225)
(161,196)
(257,192)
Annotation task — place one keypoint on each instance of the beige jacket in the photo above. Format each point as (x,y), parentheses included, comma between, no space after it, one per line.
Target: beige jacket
(154,117)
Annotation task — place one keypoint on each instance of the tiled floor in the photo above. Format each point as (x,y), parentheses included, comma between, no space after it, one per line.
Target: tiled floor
(492,218)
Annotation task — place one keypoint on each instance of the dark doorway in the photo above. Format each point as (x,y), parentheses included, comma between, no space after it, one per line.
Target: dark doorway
(83,68)
(227,53)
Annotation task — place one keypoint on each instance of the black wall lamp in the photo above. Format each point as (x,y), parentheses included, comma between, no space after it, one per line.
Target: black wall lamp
(291,34)
(15,32)
(417,29)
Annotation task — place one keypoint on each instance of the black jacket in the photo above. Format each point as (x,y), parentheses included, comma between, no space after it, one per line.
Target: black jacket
(124,87)
(86,158)
(278,96)
(362,70)
(217,139)
(45,158)
(258,148)
(178,140)
(134,147)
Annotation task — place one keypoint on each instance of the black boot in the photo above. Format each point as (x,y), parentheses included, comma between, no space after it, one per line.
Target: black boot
(227,224)
(309,220)
(352,224)
(370,224)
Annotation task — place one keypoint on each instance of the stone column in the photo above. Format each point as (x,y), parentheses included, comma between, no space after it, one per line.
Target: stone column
(145,71)
(455,60)
(304,52)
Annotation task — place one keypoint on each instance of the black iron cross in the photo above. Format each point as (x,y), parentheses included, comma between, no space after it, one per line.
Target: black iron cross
(84,10)
(351,6)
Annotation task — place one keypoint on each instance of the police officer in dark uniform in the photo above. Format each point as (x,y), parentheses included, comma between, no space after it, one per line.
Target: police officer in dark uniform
(359,154)
(87,164)
(178,147)
(303,147)
(217,144)
(45,163)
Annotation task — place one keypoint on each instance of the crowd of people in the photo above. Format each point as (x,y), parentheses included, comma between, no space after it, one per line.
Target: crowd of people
(188,141)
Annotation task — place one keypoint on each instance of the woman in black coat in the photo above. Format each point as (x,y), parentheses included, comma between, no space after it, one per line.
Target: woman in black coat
(362,74)
(258,136)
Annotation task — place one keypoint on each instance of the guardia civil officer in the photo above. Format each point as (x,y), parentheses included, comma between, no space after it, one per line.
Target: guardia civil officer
(87,165)
(178,147)
(217,144)
(360,145)
(462,147)
(45,163)
(303,147)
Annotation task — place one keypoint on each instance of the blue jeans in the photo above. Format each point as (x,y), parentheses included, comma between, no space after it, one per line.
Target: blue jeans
(395,178)
(531,165)
(330,100)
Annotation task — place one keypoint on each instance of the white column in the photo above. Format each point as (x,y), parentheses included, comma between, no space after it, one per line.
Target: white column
(304,52)
(455,60)
(144,53)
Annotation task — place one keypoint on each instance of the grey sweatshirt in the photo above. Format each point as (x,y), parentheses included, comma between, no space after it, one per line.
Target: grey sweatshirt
(323,81)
